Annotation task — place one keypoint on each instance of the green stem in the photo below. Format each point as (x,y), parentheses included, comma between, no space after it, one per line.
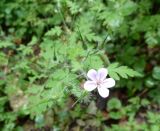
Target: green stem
(104,59)
(82,95)
(63,19)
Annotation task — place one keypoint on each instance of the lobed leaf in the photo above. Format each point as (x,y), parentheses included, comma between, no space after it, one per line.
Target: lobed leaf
(116,71)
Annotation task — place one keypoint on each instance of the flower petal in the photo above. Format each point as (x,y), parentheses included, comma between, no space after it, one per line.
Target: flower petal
(90,85)
(104,92)
(92,74)
(108,83)
(102,73)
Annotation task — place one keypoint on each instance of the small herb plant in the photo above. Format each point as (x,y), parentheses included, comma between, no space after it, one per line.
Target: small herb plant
(52,52)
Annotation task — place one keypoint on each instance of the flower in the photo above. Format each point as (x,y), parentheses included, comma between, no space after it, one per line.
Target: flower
(98,80)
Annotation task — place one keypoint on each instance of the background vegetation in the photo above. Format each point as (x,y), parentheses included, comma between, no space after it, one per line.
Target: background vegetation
(46,48)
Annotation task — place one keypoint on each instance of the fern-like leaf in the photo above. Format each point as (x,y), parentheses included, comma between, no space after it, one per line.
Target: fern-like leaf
(116,71)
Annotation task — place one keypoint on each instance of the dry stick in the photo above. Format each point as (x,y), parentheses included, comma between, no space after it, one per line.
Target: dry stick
(143,92)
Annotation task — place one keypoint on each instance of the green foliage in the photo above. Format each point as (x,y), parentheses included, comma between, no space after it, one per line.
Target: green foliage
(54,31)
(123,71)
(114,103)
(156,73)
(114,107)
(47,47)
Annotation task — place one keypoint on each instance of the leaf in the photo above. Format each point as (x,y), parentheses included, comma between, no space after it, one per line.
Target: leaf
(93,61)
(111,18)
(114,103)
(128,7)
(151,39)
(116,71)
(77,91)
(34,89)
(156,73)
(74,8)
(3,59)
(54,31)
(85,25)
(115,115)
(4,44)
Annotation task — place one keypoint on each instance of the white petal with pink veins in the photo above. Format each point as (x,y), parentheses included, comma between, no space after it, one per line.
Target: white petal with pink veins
(108,83)
(90,85)
(104,92)
(102,73)
(92,74)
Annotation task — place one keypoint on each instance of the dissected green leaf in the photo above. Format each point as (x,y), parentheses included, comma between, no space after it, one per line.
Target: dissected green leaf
(54,31)
(116,71)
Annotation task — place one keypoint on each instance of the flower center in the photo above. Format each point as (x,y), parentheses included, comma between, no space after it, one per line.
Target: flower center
(99,83)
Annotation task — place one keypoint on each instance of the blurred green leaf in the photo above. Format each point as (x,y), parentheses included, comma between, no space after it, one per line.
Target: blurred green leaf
(156,73)
(114,103)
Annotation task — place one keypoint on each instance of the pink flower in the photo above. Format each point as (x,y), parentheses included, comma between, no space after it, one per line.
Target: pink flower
(98,80)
